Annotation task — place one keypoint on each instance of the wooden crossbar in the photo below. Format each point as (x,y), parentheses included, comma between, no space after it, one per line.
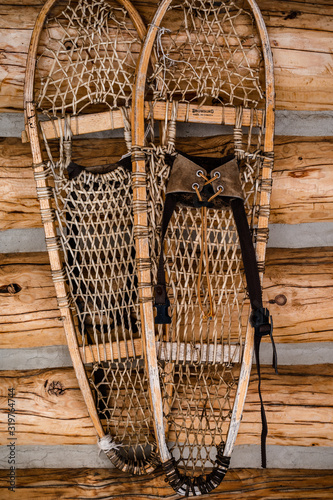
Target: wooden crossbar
(166,351)
(111,120)
(204,353)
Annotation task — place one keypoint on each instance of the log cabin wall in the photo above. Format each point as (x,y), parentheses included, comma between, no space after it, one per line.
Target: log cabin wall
(56,452)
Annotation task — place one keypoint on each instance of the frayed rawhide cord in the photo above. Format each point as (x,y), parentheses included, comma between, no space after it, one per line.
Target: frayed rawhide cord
(137,467)
(204,245)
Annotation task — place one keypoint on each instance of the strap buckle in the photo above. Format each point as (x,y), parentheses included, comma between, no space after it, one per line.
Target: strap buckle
(262,323)
(162,303)
(162,317)
(261,320)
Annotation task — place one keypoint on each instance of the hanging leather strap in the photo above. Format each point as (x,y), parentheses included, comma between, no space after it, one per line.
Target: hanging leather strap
(260,318)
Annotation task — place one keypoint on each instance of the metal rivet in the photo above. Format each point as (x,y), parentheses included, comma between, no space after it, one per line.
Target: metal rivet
(199,173)
(217,175)
(220,188)
(195,185)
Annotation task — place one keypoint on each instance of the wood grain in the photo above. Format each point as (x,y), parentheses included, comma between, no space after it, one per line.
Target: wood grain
(304,276)
(241,484)
(31,318)
(302,186)
(300,35)
(19,207)
(50,407)
(302,180)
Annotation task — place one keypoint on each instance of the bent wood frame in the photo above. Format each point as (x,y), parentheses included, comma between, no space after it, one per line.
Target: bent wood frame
(32,131)
(142,242)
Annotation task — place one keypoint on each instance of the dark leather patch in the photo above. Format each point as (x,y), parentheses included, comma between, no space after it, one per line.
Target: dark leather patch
(184,174)
(229,180)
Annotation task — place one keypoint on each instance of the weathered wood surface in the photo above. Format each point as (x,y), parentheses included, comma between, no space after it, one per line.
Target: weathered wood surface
(300,34)
(240,484)
(31,318)
(50,407)
(302,180)
(19,206)
(302,187)
(304,276)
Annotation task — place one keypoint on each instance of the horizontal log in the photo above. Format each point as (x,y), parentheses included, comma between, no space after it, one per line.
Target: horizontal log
(302,180)
(243,484)
(303,176)
(304,277)
(50,408)
(30,318)
(300,35)
(300,55)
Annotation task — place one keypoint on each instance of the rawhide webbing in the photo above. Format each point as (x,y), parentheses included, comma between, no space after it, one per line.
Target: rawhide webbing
(214,183)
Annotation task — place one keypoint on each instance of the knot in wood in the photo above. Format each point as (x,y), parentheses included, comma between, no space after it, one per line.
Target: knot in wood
(12,288)
(55,388)
(279,300)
